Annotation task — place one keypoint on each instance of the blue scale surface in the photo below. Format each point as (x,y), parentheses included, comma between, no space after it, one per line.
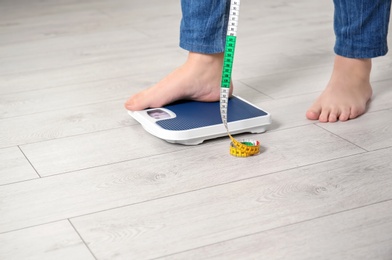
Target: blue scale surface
(194,114)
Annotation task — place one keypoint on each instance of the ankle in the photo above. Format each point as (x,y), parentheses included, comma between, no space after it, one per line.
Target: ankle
(358,68)
(207,59)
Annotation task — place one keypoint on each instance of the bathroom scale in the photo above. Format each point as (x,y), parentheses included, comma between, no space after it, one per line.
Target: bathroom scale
(193,122)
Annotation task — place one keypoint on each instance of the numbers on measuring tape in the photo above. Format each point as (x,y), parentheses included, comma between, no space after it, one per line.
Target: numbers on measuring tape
(246,147)
(233,23)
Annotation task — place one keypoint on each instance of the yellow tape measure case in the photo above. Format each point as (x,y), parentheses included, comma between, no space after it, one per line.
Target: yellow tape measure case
(193,122)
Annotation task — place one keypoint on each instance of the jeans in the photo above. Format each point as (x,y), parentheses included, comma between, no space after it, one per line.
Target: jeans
(361,26)
(204,25)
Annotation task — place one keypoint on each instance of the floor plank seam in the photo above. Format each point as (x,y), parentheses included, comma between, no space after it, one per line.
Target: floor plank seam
(208,187)
(274,228)
(18,182)
(92,167)
(72,136)
(300,68)
(381,149)
(60,67)
(340,137)
(29,162)
(61,86)
(271,129)
(81,238)
(68,108)
(187,147)
(31,226)
(249,86)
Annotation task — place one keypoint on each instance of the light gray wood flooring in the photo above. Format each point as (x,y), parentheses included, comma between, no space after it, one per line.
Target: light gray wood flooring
(80,179)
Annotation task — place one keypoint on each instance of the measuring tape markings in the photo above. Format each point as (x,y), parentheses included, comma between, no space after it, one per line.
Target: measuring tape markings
(244,148)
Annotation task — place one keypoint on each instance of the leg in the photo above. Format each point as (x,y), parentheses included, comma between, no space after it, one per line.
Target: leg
(361,28)
(202,33)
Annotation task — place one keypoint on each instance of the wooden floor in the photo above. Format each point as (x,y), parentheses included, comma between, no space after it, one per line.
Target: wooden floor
(80,179)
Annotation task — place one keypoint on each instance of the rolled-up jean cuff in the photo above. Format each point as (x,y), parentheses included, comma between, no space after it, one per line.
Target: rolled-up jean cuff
(356,53)
(205,49)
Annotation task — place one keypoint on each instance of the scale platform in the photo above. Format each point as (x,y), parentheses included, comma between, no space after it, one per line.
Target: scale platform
(193,122)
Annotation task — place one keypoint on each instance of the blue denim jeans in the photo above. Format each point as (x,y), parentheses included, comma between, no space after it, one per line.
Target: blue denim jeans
(361,26)
(204,25)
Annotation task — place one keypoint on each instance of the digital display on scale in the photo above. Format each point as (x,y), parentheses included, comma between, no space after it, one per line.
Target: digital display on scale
(158,114)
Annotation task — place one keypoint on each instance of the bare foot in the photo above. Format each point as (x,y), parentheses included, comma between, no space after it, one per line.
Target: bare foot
(198,79)
(347,92)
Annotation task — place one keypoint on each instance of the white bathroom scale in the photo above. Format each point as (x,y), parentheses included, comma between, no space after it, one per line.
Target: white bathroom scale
(193,122)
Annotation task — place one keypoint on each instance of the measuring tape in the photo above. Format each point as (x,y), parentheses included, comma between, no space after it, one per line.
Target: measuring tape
(243,148)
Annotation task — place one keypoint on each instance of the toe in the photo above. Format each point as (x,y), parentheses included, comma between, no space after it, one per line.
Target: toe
(324,116)
(129,104)
(313,114)
(136,102)
(344,114)
(333,116)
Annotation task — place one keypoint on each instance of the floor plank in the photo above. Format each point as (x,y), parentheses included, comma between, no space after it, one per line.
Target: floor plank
(118,145)
(371,131)
(149,177)
(72,96)
(96,149)
(363,233)
(292,83)
(52,241)
(14,166)
(66,56)
(52,25)
(288,112)
(382,95)
(84,73)
(108,37)
(203,217)
(61,123)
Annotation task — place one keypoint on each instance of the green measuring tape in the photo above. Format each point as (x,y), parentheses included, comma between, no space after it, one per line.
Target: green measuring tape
(243,148)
